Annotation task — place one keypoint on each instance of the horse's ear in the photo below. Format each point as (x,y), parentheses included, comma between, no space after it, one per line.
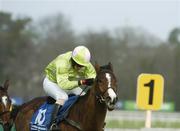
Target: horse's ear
(97,67)
(6,84)
(110,66)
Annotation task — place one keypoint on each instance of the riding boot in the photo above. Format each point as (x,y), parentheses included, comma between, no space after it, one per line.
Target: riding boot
(53,124)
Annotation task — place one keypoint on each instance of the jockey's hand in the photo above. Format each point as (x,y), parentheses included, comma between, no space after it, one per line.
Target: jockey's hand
(86,82)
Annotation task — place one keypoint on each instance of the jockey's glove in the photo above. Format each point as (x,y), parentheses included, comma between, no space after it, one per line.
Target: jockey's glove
(86,82)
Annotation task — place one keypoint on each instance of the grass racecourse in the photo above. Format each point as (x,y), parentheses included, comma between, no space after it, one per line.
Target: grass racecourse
(131,124)
(136,120)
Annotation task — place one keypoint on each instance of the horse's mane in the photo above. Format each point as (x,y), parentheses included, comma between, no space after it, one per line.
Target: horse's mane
(106,67)
(33,101)
(15,111)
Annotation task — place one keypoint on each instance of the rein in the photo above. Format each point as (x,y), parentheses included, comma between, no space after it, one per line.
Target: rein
(5,112)
(73,123)
(76,124)
(6,125)
(100,97)
(8,111)
(9,123)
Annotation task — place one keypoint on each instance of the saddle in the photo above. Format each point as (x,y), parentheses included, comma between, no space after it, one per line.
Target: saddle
(41,119)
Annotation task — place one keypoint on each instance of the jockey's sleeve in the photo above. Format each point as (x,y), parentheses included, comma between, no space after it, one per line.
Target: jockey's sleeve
(65,83)
(62,76)
(90,71)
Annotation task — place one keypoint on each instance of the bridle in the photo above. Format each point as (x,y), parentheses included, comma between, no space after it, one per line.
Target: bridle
(4,112)
(100,97)
(6,121)
(8,124)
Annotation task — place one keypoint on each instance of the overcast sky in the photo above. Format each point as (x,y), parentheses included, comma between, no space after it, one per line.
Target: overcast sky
(156,16)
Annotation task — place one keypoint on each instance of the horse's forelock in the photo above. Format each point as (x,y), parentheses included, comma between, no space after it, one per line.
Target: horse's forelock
(107,67)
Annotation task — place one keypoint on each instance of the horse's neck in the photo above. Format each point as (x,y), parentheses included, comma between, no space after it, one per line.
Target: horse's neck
(89,111)
(94,103)
(6,118)
(96,108)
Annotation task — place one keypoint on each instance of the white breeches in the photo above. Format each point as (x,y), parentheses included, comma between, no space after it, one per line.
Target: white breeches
(53,90)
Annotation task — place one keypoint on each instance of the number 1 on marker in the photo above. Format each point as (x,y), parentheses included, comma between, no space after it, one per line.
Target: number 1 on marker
(151,88)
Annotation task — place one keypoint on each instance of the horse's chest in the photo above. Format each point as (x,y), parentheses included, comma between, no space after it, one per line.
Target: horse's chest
(93,127)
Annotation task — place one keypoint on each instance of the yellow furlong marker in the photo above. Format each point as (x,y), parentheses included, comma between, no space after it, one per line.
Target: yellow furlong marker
(150,90)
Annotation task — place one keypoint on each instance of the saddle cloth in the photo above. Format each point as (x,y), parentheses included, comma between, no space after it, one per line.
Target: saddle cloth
(41,119)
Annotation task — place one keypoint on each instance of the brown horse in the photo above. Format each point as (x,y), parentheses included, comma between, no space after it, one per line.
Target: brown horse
(6,121)
(88,113)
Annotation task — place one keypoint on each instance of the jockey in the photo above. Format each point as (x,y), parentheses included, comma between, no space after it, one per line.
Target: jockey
(67,74)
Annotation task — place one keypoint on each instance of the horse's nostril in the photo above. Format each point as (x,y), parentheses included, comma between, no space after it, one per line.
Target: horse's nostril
(115,100)
(108,98)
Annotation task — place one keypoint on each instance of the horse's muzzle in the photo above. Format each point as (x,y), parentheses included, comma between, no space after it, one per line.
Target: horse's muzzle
(111,103)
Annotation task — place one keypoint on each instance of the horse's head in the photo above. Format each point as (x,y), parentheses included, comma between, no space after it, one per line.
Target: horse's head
(106,85)
(5,103)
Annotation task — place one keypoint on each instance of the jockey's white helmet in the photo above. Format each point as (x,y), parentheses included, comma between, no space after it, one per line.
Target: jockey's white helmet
(81,55)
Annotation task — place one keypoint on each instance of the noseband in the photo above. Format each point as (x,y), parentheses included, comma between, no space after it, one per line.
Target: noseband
(8,124)
(101,96)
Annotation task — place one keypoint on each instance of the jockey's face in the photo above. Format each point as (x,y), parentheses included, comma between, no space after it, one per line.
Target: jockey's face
(76,66)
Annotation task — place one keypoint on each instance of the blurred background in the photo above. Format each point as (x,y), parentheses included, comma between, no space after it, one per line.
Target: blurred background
(136,36)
